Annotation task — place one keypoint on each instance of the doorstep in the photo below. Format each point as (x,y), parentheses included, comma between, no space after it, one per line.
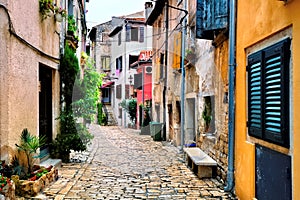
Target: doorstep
(50,161)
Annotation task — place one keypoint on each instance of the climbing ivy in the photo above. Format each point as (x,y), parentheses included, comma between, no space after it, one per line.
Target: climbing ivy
(85,105)
(69,68)
(129,105)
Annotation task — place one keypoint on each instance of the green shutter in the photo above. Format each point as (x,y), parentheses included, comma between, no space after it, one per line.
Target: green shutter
(128,35)
(276,88)
(142,34)
(268,93)
(255,95)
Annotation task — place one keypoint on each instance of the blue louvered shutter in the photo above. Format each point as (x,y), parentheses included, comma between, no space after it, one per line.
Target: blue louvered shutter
(255,120)
(211,15)
(128,35)
(276,89)
(268,93)
(220,14)
(142,34)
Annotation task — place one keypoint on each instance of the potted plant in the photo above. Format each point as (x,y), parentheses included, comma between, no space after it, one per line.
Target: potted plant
(29,145)
(46,8)
(190,56)
(59,13)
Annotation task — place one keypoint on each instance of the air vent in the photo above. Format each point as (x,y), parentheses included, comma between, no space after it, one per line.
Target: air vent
(148,70)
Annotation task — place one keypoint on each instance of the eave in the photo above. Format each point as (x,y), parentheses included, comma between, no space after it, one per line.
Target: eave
(157,10)
(116,30)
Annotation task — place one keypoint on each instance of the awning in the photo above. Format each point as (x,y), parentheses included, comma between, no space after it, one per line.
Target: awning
(107,84)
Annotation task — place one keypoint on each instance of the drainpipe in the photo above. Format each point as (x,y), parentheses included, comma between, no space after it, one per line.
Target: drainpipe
(231,120)
(165,91)
(125,71)
(182,110)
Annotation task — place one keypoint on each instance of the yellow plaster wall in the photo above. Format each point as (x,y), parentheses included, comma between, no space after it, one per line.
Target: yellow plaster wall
(256,22)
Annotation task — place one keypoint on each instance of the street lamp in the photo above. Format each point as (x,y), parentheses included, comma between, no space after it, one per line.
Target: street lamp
(130,79)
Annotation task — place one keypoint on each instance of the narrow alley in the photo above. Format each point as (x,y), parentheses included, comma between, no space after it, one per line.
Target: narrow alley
(121,164)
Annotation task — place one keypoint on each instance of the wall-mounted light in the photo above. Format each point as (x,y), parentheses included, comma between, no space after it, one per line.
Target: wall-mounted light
(130,79)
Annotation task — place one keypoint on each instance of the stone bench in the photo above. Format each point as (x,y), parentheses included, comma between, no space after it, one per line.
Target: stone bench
(201,163)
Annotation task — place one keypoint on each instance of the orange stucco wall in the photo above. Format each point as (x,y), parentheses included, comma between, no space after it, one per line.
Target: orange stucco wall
(258,21)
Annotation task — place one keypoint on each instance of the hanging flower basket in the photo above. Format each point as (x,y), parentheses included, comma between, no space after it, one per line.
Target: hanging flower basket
(58,17)
(59,14)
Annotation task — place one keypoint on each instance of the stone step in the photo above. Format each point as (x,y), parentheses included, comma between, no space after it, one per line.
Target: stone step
(50,161)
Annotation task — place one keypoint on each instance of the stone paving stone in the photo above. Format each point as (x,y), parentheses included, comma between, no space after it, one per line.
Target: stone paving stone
(120,164)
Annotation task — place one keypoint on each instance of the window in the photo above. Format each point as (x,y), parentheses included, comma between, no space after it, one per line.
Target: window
(135,33)
(268,93)
(133,59)
(161,62)
(70,7)
(211,15)
(119,91)
(138,81)
(103,36)
(105,63)
(119,39)
(118,65)
(208,114)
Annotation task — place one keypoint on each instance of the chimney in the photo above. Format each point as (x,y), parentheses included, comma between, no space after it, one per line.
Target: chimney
(148,9)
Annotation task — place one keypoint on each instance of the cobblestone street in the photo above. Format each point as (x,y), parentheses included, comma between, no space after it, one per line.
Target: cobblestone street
(121,164)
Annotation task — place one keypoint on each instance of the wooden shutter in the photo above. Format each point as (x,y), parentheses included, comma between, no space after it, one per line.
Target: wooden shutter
(138,81)
(118,91)
(220,14)
(255,94)
(177,51)
(127,91)
(142,34)
(128,29)
(268,93)
(211,15)
(276,90)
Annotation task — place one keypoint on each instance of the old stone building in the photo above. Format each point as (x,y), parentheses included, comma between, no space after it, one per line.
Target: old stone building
(267,95)
(129,37)
(203,94)
(100,51)
(31,43)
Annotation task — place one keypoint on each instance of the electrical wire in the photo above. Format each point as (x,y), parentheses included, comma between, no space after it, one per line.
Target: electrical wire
(13,32)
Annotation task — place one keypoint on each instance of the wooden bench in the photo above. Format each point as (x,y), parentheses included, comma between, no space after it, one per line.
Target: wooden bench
(201,163)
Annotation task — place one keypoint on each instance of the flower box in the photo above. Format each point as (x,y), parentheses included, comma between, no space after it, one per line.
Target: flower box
(8,191)
(28,188)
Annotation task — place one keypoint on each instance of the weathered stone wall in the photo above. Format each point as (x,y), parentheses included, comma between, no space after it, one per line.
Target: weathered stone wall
(212,69)
(102,44)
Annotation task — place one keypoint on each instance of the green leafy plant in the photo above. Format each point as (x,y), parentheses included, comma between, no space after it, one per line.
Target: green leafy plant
(29,144)
(72,28)
(68,139)
(79,98)
(129,105)
(69,68)
(101,117)
(85,105)
(4,181)
(207,113)
(17,168)
(46,8)
(59,10)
